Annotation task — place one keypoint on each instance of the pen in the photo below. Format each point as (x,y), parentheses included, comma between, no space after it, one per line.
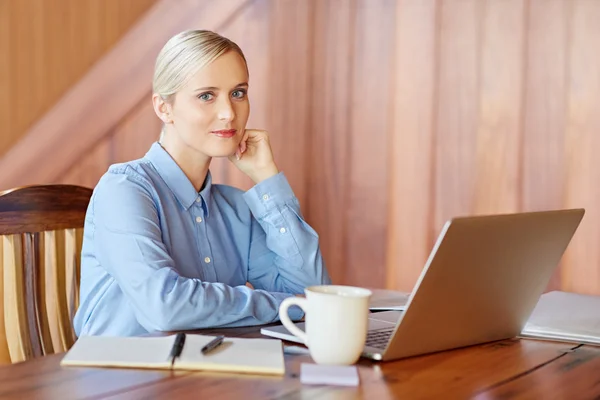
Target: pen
(177,347)
(213,344)
(295,350)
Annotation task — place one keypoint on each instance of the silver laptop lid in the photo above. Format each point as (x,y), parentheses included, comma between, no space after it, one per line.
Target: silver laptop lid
(482,280)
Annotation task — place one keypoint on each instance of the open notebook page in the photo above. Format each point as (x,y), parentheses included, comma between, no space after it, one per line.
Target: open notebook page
(133,352)
(262,356)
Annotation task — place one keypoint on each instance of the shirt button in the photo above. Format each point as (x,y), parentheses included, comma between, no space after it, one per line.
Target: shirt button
(198,219)
(265,197)
(282,230)
(207,260)
(198,199)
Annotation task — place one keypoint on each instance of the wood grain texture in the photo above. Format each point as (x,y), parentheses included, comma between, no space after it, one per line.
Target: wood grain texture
(93,164)
(44,207)
(411,156)
(545,77)
(6,75)
(457,109)
(370,130)
(543,145)
(60,286)
(15,320)
(31,296)
(289,75)
(581,267)
(464,373)
(40,288)
(132,138)
(47,47)
(4,352)
(52,381)
(43,321)
(566,378)
(54,277)
(78,110)
(451,108)
(72,270)
(498,152)
(481,371)
(328,174)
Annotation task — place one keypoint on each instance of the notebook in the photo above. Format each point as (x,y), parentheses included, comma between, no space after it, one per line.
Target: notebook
(564,316)
(259,356)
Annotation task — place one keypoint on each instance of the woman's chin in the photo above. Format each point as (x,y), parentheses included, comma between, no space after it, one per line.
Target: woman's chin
(219,147)
(220,153)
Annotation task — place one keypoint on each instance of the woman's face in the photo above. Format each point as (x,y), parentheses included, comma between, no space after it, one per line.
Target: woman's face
(209,114)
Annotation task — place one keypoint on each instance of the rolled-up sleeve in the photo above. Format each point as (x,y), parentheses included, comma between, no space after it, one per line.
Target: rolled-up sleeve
(128,244)
(284,252)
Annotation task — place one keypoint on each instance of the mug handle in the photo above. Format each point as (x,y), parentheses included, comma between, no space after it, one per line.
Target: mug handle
(285,318)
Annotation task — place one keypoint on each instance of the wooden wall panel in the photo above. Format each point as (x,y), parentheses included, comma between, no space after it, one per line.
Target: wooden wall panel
(581,267)
(92,166)
(389,117)
(289,89)
(457,109)
(370,130)
(132,138)
(47,46)
(542,180)
(331,88)
(544,107)
(5,73)
(498,153)
(411,163)
(104,97)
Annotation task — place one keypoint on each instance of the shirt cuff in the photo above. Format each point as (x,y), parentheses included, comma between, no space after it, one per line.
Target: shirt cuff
(270,194)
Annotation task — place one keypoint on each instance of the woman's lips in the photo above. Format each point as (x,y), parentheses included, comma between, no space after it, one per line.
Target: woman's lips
(225,133)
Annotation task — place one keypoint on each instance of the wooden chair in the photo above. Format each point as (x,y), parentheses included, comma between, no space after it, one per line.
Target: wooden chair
(41,231)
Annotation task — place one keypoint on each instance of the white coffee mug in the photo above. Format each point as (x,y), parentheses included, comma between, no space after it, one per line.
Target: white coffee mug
(336,321)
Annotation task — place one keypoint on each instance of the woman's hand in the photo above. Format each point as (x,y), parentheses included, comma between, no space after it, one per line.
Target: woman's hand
(254,156)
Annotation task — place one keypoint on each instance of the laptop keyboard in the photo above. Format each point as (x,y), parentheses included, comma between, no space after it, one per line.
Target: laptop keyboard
(379,338)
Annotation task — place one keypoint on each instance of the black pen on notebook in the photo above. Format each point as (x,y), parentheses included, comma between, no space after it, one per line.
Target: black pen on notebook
(213,344)
(177,347)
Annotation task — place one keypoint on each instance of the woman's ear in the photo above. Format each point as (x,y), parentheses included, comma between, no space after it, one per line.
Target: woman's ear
(162,109)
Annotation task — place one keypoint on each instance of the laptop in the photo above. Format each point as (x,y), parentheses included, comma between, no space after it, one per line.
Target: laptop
(480,284)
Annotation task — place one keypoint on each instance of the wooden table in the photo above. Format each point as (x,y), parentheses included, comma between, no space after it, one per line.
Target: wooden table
(517,368)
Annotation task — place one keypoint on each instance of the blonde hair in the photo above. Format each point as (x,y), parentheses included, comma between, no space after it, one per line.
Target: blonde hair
(185,54)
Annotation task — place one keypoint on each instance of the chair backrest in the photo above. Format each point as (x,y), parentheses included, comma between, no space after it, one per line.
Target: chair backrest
(41,231)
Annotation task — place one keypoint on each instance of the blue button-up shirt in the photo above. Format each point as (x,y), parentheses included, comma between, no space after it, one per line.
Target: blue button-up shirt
(159,256)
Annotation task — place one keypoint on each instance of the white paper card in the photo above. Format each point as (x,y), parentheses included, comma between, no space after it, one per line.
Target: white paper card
(341,375)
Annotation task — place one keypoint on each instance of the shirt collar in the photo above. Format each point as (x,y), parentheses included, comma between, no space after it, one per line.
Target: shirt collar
(205,193)
(175,178)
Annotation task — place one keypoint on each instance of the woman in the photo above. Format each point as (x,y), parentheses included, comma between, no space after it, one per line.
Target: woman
(166,249)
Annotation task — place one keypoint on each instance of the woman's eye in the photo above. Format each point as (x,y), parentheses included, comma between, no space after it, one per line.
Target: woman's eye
(239,94)
(205,96)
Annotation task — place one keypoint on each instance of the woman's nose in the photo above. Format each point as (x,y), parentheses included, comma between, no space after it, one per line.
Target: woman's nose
(226,112)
